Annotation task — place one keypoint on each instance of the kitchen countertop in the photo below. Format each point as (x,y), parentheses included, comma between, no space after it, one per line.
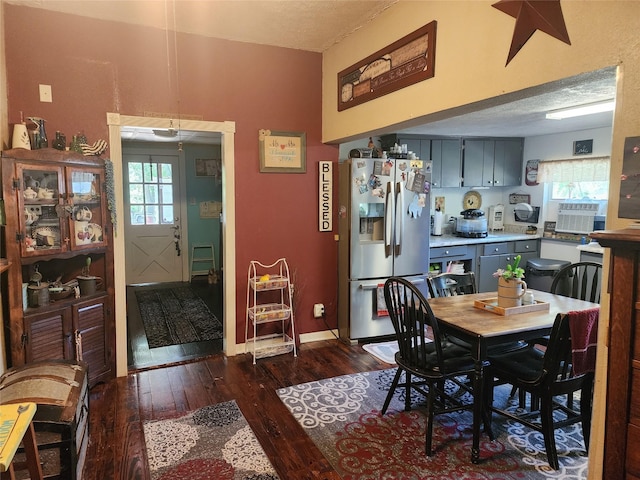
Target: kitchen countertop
(452,240)
(593,247)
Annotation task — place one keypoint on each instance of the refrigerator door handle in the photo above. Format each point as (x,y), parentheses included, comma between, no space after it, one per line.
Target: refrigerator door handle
(373,286)
(388,200)
(399,220)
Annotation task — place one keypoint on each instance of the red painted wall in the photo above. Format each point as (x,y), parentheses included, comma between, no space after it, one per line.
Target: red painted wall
(98,66)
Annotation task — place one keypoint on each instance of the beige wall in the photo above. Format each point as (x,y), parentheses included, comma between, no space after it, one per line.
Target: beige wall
(473,41)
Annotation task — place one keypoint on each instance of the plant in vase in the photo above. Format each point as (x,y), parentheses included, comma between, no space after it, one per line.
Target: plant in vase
(511,286)
(513,270)
(85,269)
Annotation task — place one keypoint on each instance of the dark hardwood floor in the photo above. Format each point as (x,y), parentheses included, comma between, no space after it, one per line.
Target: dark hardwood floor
(119,407)
(140,356)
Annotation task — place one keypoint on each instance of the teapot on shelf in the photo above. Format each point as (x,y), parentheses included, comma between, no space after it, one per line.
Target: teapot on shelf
(45,193)
(30,194)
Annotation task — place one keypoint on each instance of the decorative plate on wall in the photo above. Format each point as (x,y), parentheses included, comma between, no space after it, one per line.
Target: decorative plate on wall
(472,199)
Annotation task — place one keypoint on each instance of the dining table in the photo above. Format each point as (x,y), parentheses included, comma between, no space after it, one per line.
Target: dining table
(470,318)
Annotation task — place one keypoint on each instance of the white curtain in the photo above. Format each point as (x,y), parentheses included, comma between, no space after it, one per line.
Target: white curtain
(574,170)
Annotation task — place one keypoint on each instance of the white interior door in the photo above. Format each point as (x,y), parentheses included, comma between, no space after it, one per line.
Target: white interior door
(152,224)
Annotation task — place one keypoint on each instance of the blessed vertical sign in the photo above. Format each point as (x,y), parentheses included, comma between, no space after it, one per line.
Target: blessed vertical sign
(325,196)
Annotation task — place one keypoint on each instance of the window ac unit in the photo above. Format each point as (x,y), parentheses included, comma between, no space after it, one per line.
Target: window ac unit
(576,217)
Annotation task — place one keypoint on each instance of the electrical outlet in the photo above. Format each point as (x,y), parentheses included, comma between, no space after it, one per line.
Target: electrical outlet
(318,310)
(45,93)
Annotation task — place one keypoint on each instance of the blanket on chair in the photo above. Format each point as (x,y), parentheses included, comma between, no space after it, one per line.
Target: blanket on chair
(584,339)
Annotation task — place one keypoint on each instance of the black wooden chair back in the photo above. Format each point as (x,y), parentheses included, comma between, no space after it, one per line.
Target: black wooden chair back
(450,284)
(546,375)
(581,280)
(431,367)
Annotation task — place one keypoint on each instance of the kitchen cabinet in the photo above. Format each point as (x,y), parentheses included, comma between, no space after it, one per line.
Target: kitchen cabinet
(58,228)
(444,153)
(447,163)
(492,256)
(526,249)
(622,419)
(492,162)
(441,257)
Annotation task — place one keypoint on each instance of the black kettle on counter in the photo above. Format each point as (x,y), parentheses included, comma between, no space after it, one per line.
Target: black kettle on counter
(472,214)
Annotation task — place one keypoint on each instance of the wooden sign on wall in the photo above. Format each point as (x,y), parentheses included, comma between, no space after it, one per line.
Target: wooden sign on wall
(325,196)
(405,62)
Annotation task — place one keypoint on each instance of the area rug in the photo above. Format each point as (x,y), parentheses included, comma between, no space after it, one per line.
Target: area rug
(212,443)
(342,417)
(385,351)
(172,316)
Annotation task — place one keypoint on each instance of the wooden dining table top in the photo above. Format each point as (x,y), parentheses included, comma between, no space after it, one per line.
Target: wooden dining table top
(459,311)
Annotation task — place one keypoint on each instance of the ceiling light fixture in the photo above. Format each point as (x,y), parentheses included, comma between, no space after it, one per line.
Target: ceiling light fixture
(589,109)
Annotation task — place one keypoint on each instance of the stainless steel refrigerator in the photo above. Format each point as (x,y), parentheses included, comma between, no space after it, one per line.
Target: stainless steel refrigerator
(384,223)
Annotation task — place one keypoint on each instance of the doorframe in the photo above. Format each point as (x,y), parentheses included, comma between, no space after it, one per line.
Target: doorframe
(158,149)
(227,223)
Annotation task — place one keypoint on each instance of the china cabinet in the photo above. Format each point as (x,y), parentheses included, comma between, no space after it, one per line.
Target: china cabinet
(622,421)
(269,307)
(58,228)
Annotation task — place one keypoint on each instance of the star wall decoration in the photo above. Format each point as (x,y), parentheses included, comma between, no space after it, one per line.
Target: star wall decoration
(532,15)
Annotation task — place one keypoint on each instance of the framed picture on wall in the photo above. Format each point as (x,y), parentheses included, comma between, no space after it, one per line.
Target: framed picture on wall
(282,152)
(208,167)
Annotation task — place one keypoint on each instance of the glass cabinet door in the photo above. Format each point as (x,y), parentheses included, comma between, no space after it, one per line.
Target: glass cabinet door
(86,197)
(40,199)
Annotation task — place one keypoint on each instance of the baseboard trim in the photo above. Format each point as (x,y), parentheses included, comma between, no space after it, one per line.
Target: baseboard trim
(304,338)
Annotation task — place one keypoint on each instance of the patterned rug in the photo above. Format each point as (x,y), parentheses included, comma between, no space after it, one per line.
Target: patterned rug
(212,443)
(172,316)
(342,417)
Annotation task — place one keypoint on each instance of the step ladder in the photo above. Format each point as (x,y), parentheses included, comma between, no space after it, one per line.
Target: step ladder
(202,260)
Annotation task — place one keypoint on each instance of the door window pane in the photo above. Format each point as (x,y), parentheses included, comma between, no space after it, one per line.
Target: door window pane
(150,193)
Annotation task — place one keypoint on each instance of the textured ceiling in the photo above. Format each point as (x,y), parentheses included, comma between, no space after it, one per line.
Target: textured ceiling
(311,25)
(316,25)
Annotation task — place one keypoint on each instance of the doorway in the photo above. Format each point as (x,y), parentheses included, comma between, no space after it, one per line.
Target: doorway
(225,132)
(153,218)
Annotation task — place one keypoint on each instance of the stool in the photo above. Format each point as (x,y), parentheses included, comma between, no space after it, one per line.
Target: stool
(16,427)
(201,256)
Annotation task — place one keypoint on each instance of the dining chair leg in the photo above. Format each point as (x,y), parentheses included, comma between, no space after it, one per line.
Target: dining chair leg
(546,418)
(407,399)
(392,389)
(430,414)
(586,404)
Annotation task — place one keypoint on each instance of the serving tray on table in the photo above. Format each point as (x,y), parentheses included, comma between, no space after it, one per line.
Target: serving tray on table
(491,305)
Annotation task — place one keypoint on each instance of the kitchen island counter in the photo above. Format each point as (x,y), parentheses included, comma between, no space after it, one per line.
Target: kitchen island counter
(453,240)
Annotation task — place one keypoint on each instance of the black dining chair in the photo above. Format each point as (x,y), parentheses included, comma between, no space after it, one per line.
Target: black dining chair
(431,368)
(450,284)
(549,377)
(581,280)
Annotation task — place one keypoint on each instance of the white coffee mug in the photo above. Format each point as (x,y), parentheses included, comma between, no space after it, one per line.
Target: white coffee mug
(84,214)
(30,217)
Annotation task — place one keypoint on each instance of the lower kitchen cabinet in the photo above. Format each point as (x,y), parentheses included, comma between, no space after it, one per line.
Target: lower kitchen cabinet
(487,265)
(441,257)
(492,256)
